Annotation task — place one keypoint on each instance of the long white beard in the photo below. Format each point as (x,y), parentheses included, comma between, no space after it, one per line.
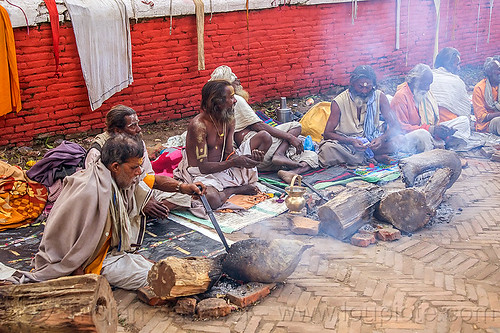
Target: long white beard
(419,96)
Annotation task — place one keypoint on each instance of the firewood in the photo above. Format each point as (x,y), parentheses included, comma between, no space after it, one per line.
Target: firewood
(176,277)
(418,164)
(259,260)
(412,208)
(81,303)
(349,210)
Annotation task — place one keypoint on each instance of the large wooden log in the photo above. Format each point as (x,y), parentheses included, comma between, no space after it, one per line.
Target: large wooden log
(176,277)
(343,215)
(418,164)
(412,208)
(81,303)
(259,260)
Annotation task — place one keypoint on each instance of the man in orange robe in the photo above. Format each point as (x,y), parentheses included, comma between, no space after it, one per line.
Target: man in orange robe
(486,100)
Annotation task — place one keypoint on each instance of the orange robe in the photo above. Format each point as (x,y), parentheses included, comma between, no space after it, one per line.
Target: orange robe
(481,110)
(10,95)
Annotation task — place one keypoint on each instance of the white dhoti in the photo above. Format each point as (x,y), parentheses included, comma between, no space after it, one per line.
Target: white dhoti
(309,157)
(231,177)
(461,124)
(127,270)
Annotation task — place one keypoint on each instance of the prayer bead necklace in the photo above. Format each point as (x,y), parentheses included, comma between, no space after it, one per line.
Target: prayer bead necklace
(216,129)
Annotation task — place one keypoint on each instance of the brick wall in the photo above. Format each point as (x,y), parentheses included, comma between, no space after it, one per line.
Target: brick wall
(287,51)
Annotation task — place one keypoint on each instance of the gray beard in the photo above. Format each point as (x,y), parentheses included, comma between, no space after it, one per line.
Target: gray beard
(227,115)
(419,96)
(360,101)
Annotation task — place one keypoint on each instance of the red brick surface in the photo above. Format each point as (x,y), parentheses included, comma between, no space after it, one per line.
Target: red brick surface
(212,308)
(363,240)
(308,49)
(388,234)
(185,306)
(243,297)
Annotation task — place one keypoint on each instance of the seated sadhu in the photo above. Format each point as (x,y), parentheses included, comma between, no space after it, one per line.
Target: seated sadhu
(486,100)
(416,109)
(354,132)
(286,150)
(123,120)
(210,157)
(448,88)
(96,225)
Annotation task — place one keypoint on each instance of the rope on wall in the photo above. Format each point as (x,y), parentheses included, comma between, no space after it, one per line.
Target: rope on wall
(170,17)
(489,23)
(354,10)
(477,23)
(25,17)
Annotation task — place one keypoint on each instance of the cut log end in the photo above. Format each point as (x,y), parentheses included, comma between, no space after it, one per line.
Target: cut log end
(68,304)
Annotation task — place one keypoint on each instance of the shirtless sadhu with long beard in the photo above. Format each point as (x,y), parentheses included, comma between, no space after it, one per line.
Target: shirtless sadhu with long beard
(210,157)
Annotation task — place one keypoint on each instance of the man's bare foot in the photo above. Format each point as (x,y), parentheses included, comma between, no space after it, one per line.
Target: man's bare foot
(303,167)
(286,176)
(246,189)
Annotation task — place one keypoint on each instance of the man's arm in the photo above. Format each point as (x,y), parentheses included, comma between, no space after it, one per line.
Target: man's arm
(402,111)
(197,151)
(277,133)
(332,123)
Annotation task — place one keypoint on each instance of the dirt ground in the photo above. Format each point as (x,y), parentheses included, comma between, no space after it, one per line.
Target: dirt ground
(156,133)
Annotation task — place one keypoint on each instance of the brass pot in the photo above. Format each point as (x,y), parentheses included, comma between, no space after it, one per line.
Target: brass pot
(295,200)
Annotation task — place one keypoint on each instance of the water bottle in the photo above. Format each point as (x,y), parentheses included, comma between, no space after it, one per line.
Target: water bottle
(284,114)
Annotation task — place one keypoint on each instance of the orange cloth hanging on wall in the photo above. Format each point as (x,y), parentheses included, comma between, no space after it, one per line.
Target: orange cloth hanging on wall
(10,95)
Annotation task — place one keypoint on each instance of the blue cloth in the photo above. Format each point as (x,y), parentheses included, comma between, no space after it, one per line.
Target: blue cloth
(369,128)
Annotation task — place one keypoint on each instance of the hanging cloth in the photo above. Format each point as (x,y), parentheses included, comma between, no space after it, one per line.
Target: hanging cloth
(54,26)
(102,33)
(10,94)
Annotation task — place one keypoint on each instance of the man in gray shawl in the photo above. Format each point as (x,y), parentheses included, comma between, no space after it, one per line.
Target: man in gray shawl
(486,99)
(286,150)
(96,223)
(122,119)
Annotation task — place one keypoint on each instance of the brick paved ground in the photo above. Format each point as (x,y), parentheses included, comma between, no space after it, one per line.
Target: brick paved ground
(441,279)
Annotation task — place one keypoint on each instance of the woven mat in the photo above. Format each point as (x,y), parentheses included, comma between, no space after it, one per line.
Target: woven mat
(230,222)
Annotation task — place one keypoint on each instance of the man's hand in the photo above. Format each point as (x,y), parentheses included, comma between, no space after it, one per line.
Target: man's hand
(245,161)
(297,143)
(358,144)
(258,155)
(442,131)
(196,188)
(156,209)
(376,143)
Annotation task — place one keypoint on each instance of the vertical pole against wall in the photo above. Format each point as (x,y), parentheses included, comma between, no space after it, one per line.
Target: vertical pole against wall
(398,21)
(200,30)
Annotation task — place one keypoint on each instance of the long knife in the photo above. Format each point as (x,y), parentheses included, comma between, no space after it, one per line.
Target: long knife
(211,215)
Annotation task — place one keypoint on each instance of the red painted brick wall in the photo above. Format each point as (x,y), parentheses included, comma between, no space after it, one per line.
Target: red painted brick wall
(287,51)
